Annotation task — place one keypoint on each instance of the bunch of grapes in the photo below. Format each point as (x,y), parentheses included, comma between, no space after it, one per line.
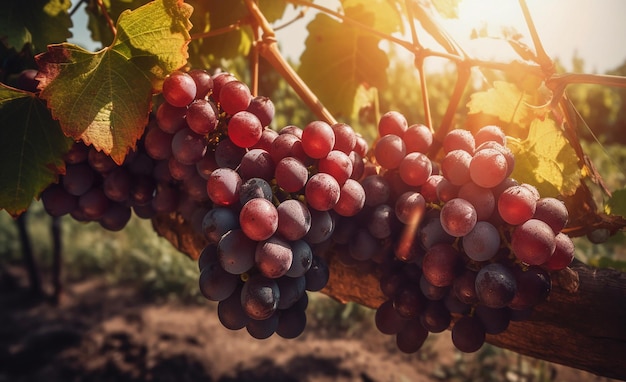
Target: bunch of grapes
(473,248)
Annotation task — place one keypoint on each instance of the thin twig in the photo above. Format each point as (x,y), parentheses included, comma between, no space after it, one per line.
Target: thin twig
(218,31)
(299,16)
(268,49)
(542,57)
(76,7)
(254,62)
(419,64)
(105,13)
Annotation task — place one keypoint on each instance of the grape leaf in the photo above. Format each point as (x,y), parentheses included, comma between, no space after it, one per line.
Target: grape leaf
(31,148)
(39,22)
(98,24)
(546,160)
(273,9)
(104,98)
(507,103)
(616,205)
(386,19)
(338,58)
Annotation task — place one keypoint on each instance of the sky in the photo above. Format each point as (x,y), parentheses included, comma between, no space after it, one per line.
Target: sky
(595,30)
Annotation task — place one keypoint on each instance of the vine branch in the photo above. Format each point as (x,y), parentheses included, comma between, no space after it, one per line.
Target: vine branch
(105,13)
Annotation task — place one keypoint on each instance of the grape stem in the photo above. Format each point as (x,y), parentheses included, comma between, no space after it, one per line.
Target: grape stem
(268,49)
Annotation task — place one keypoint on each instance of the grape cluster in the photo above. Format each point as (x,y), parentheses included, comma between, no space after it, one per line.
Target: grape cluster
(472,249)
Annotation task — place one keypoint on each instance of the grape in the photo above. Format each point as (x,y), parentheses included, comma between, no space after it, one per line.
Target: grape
(317,275)
(288,145)
(446,191)
(516,205)
(508,154)
(459,140)
(302,258)
(454,305)
(202,117)
(262,329)
(291,290)
(322,227)
(490,133)
(115,217)
(207,256)
(464,287)
(228,154)
(188,147)
(468,334)
(254,188)
(219,80)
(294,219)
(204,82)
(78,178)
(351,198)
(415,169)
(141,163)
(291,175)
(26,80)
(180,171)
(563,253)
(291,129)
(291,323)
(100,161)
(418,138)
(392,122)
(142,190)
(322,191)
(166,198)
(409,302)
(431,292)
(158,144)
(429,188)
(381,222)
(362,245)
(389,151)
(358,166)
(488,168)
(57,201)
(93,203)
(411,338)
(599,236)
(388,320)
(318,139)
(231,313)
(441,265)
(144,211)
(435,318)
(377,190)
(495,321)
(244,129)
(553,212)
(273,257)
(337,164)
(345,138)
(257,163)
(215,283)
(410,207)
(259,297)
(455,167)
(234,97)
(482,242)
(361,147)
(217,222)
(267,138)
(258,219)
(76,154)
(236,252)
(206,165)
(533,242)
(179,89)
(170,118)
(458,217)
(495,285)
(533,287)
(481,198)
(223,186)
(263,108)
(433,233)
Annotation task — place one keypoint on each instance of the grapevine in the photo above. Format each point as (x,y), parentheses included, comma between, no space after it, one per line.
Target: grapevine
(443,222)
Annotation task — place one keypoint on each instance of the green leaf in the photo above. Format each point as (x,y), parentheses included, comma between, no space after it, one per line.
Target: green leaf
(506,102)
(213,15)
(40,22)
(31,149)
(387,17)
(546,160)
(616,205)
(97,23)
(104,98)
(337,59)
(273,9)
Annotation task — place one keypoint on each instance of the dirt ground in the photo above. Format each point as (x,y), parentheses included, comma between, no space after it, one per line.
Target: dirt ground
(111,333)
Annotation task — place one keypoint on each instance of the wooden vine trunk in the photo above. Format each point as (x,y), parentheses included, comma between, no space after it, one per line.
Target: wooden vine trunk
(583,324)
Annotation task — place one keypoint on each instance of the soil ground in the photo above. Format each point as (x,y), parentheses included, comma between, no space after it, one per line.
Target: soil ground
(101,332)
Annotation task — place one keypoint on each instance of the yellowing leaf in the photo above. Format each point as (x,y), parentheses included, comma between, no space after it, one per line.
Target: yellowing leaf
(104,98)
(386,18)
(31,148)
(337,59)
(546,160)
(505,102)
